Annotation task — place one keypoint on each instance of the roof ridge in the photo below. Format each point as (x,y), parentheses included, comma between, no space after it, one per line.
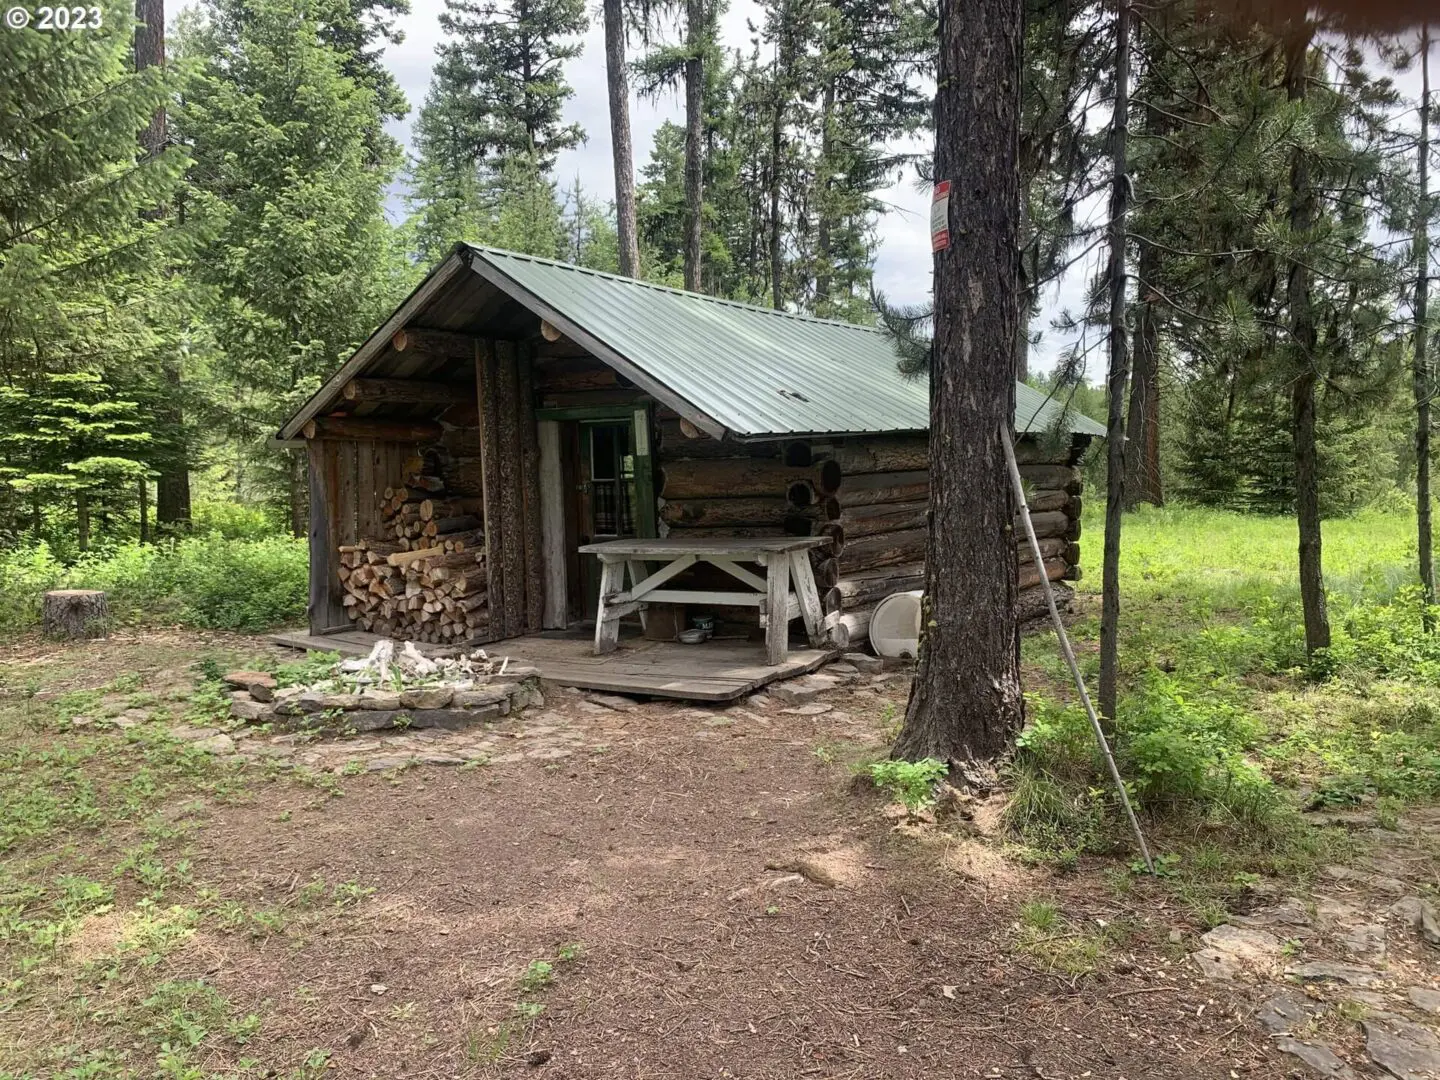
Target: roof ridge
(559,265)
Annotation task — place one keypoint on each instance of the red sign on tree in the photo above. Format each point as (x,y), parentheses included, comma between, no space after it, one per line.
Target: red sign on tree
(940,217)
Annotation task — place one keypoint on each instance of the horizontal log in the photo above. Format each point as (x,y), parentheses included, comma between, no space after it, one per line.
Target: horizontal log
(1053,547)
(1039,501)
(1054,570)
(435,342)
(827,572)
(743,478)
(879,455)
(883,549)
(406,391)
(1050,523)
(698,513)
(851,628)
(350,427)
(1047,449)
(1051,478)
(462,523)
(875,518)
(867,489)
(405,558)
(872,586)
(674,445)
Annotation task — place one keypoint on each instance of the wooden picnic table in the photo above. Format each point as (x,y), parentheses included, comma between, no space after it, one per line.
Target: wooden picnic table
(787,590)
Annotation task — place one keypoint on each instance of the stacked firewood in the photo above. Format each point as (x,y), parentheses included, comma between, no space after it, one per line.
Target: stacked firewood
(425,581)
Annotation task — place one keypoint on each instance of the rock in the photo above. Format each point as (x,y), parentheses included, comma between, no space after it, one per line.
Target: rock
(1366,940)
(251,711)
(1359,877)
(379,699)
(799,691)
(1283,1014)
(1406,1050)
(381,764)
(1322,1060)
(312,701)
(371,719)
(515,673)
(1243,942)
(1289,913)
(841,667)
(477,699)
(428,697)
(613,701)
(1176,936)
(192,734)
(442,759)
(248,680)
(1340,819)
(1331,971)
(863,662)
(814,708)
(451,719)
(1422,997)
(528,696)
(1419,915)
(219,743)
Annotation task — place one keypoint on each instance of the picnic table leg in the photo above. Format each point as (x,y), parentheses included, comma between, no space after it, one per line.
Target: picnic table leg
(809,597)
(777,608)
(607,626)
(638,573)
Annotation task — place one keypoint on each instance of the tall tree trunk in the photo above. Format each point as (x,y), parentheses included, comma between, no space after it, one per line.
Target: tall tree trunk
(825,210)
(172,488)
(144,493)
(1423,377)
(965,702)
(1303,341)
(1023,305)
(1142,429)
(621,147)
(777,256)
(696,35)
(1119,371)
(82,520)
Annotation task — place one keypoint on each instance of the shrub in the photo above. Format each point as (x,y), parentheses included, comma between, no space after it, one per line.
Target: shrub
(203,581)
(909,782)
(232,520)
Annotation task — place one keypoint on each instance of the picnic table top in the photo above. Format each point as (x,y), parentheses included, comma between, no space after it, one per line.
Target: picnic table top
(676,547)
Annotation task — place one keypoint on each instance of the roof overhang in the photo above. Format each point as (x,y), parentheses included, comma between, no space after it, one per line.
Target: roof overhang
(426,291)
(599,349)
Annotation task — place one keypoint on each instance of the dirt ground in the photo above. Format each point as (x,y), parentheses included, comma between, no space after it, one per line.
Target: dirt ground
(709,892)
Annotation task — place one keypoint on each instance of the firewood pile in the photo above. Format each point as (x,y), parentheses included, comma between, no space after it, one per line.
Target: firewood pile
(425,580)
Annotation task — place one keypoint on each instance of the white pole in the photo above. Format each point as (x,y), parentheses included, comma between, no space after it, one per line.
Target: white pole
(1019,487)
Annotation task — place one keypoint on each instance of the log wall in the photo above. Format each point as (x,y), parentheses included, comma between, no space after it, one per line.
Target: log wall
(869,496)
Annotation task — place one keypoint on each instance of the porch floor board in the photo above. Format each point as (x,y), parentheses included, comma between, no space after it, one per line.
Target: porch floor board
(712,671)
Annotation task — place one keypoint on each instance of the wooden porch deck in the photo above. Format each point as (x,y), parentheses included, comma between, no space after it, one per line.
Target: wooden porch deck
(712,671)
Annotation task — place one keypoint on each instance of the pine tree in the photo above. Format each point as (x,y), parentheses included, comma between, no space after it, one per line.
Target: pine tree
(79,250)
(304,265)
(497,92)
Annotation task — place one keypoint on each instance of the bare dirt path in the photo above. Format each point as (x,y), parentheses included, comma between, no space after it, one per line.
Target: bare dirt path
(663,892)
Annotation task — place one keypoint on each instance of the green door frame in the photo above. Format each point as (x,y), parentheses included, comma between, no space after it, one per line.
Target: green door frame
(639,417)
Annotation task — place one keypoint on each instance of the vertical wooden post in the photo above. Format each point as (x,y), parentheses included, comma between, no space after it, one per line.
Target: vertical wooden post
(777,608)
(530,493)
(325,611)
(552,527)
(485,379)
(612,580)
(510,523)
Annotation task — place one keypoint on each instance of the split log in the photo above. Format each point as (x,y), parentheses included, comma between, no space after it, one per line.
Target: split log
(406,391)
(867,489)
(73,614)
(347,427)
(882,549)
(875,518)
(880,455)
(463,523)
(743,478)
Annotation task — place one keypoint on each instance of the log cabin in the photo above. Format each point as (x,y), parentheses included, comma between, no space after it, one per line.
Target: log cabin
(515,409)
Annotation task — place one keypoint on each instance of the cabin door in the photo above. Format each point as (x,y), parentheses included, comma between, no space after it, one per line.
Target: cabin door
(605,496)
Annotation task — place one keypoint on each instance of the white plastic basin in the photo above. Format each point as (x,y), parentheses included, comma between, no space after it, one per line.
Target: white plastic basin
(895,625)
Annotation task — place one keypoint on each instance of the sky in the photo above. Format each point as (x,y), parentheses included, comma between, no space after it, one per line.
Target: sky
(903,261)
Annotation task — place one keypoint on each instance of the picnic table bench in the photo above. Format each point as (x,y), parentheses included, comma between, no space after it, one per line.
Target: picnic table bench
(786,591)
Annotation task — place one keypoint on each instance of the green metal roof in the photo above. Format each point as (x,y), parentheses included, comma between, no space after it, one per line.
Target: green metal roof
(755,371)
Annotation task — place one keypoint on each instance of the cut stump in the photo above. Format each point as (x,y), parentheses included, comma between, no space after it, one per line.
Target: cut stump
(76,613)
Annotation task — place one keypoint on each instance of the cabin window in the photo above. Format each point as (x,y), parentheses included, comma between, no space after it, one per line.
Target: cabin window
(612,480)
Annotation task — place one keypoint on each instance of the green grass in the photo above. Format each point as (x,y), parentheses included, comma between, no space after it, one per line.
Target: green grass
(1226,730)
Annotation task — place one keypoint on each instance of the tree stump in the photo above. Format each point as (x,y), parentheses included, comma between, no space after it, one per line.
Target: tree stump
(76,613)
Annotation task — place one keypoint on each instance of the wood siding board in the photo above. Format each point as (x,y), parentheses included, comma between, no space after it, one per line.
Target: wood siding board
(530,493)
(555,615)
(512,501)
(324,610)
